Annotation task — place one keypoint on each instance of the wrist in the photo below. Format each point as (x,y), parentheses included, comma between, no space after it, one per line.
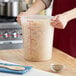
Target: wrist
(70,14)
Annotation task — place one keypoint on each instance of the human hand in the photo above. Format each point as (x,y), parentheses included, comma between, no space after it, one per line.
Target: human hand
(19,17)
(23,14)
(59,21)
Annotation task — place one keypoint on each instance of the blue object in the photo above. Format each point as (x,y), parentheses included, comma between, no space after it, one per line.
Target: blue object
(27,68)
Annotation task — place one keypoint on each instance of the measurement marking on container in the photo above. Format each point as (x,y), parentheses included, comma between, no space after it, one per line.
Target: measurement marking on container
(30,38)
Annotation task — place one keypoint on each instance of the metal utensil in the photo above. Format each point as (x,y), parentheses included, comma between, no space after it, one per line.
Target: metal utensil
(57,67)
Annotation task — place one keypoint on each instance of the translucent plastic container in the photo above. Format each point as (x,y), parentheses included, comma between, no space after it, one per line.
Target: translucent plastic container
(37,37)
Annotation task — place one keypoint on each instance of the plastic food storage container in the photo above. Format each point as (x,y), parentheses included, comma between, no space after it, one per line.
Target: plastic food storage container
(37,37)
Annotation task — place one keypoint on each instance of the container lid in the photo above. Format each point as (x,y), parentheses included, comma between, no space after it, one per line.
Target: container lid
(35,17)
(10,0)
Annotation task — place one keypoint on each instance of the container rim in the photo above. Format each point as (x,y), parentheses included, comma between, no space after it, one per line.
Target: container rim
(36,17)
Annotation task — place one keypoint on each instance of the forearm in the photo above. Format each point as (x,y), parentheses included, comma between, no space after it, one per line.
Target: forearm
(71,14)
(36,7)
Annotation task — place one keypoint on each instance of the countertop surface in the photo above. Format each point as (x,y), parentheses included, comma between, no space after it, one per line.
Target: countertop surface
(18,56)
